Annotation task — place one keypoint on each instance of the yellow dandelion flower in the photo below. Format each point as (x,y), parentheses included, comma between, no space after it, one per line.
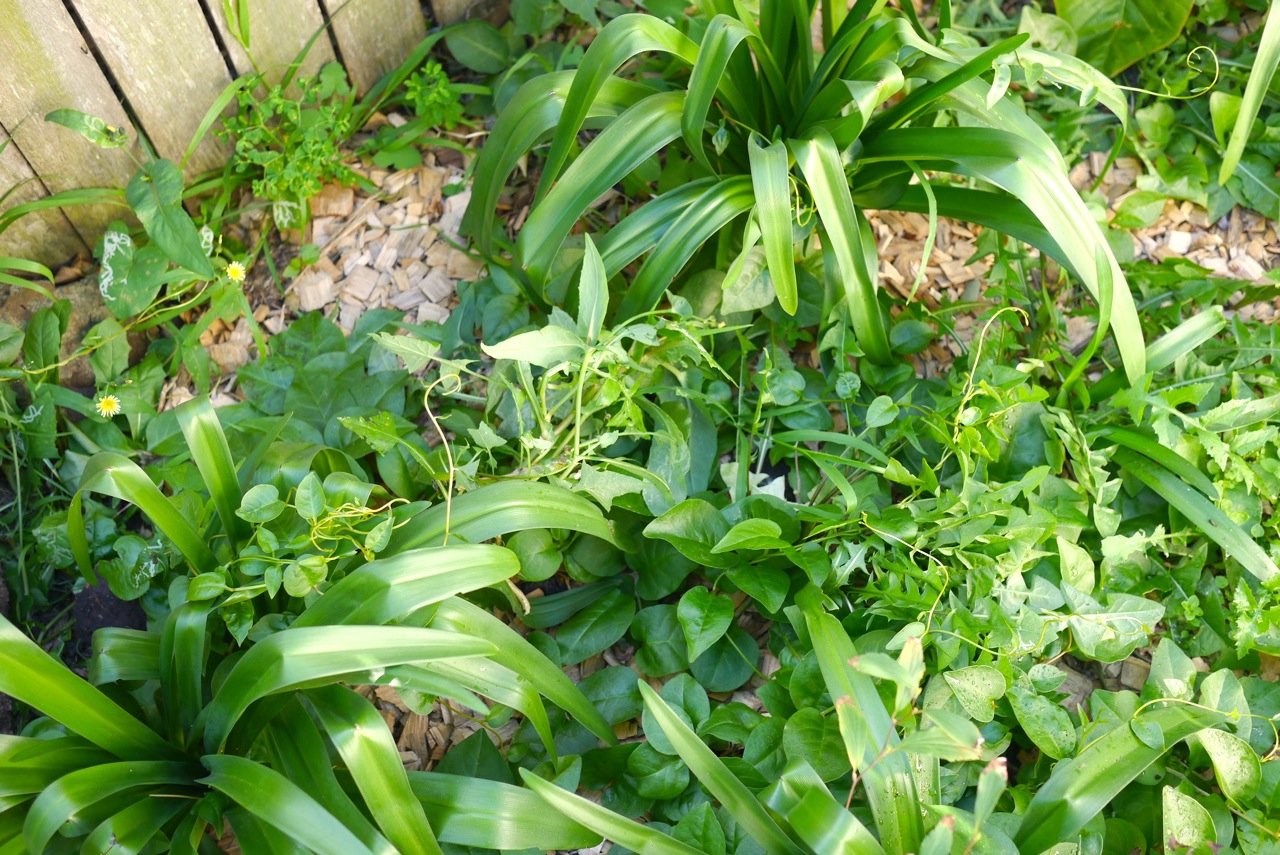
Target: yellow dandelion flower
(235,272)
(108,406)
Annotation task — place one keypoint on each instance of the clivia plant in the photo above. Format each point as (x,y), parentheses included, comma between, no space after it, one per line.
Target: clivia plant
(783,148)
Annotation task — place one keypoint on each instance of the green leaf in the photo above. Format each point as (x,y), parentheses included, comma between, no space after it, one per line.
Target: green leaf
(479,46)
(633,835)
(752,533)
(729,663)
(309,499)
(1139,209)
(545,347)
(596,627)
(1114,34)
(849,237)
(694,527)
(593,293)
(155,194)
(260,504)
(883,411)
(1186,821)
(663,648)
(1045,723)
(814,738)
(379,430)
(977,688)
(110,357)
(705,617)
(1235,765)
(92,128)
(129,278)
(700,829)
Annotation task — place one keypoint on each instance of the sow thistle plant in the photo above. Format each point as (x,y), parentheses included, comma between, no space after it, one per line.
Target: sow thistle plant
(784,147)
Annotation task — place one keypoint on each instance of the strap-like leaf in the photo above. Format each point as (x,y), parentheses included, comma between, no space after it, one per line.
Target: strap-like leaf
(771,180)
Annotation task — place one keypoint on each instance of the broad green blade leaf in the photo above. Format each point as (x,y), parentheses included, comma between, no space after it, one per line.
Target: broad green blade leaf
(814,816)
(132,828)
(37,679)
(505,686)
(618,829)
(363,741)
(32,764)
(77,791)
(255,837)
(389,588)
(1200,511)
(618,41)
(716,777)
(523,658)
(307,656)
(643,129)
(1170,347)
(1260,75)
(849,238)
(114,475)
(279,802)
(1145,443)
(182,656)
(1019,164)
(532,113)
(721,39)
(212,456)
(492,815)
(641,230)
(867,729)
(1085,784)
(771,181)
(718,206)
(124,654)
(300,754)
(501,509)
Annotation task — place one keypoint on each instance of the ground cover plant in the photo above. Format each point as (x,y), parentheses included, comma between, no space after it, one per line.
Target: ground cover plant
(680,509)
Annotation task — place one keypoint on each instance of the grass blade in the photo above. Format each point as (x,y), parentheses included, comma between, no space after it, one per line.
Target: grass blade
(280,803)
(37,679)
(389,588)
(302,656)
(618,829)
(771,180)
(492,815)
(1201,512)
(848,235)
(517,654)
(212,456)
(1260,75)
(500,509)
(1085,784)
(632,138)
(1146,444)
(716,777)
(363,741)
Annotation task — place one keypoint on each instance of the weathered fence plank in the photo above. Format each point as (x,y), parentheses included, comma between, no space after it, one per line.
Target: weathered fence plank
(375,36)
(45,65)
(278,30)
(165,60)
(45,236)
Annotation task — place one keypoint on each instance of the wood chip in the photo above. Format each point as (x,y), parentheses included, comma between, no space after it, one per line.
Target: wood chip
(334,201)
(437,285)
(360,283)
(314,290)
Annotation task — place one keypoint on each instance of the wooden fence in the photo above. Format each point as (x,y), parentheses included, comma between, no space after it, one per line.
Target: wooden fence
(153,67)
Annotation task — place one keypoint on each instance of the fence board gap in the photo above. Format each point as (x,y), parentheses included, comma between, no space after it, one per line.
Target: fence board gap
(46,65)
(168,65)
(375,36)
(278,30)
(46,236)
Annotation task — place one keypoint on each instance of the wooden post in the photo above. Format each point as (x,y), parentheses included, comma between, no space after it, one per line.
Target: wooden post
(278,30)
(166,62)
(375,36)
(45,65)
(46,236)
